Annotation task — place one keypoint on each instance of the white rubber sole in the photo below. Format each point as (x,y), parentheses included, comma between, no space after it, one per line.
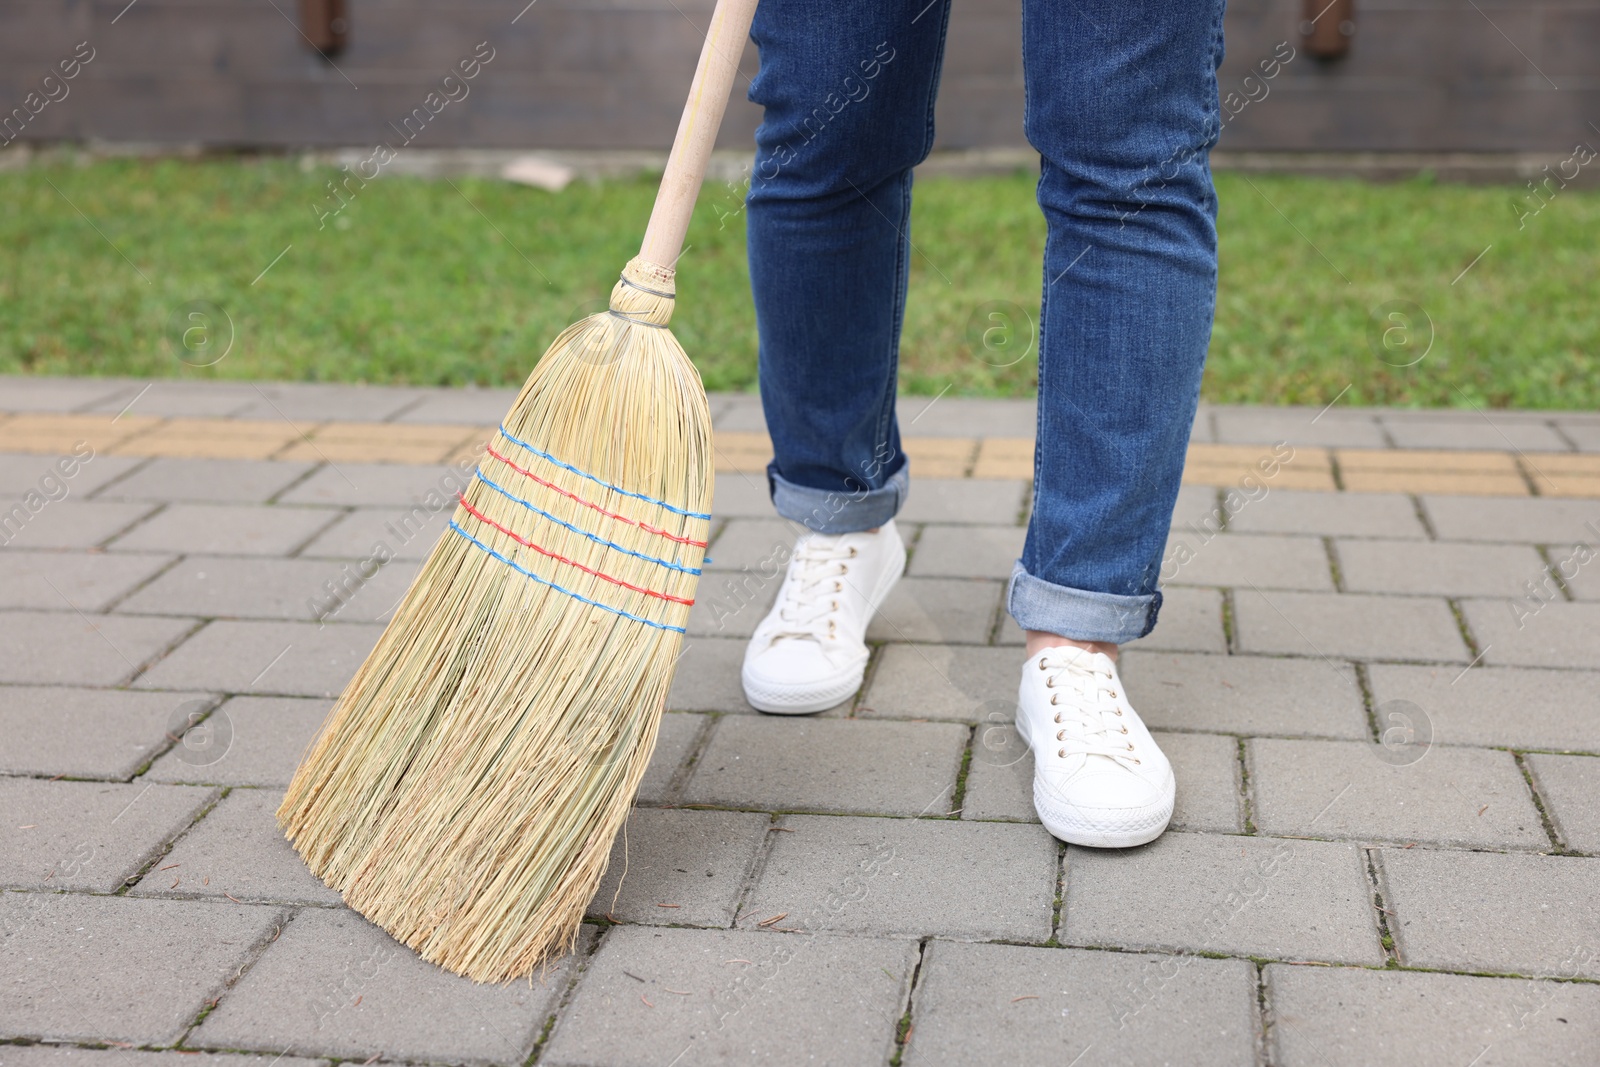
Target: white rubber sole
(800,700)
(812,697)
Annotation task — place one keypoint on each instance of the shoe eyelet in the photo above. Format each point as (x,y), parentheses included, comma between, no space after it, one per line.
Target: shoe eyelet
(1124,729)
(835,605)
(853,552)
(1058,735)
(1119,712)
(1113,694)
(1042,667)
(1061,754)
(1053,702)
(1058,716)
(1049,683)
(1130,747)
(1136,761)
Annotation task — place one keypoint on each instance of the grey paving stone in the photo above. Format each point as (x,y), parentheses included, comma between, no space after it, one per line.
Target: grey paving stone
(788,764)
(72,1056)
(707,677)
(741,495)
(466,405)
(1503,706)
(759,546)
(237,851)
(1268,560)
(88,835)
(1571,789)
(1438,567)
(56,581)
(679,867)
(1560,634)
(246,741)
(953,683)
(87,733)
(1254,896)
(1049,1005)
(1190,621)
(22,473)
(966,416)
(138,971)
(334,984)
(967,551)
(1506,913)
(836,998)
(1244,694)
(1306,426)
(938,610)
(1582,579)
(54,648)
(1207,770)
(1197,505)
(223,481)
(1354,1017)
(732,605)
(226,529)
(739,412)
(71,524)
(963,500)
(1476,431)
(674,742)
(242,587)
(1000,779)
(179,398)
(1463,797)
(381,485)
(1585,433)
(407,533)
(24,392)
(1355,625)
(307,402)
(908,878)
(1536,520)
(289,658)
(1329,514)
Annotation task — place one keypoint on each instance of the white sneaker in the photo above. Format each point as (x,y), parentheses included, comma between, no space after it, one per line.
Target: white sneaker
(1098,777)
(810,652)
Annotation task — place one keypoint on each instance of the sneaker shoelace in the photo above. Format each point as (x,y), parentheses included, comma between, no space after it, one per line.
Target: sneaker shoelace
(1090,721)
(811,605)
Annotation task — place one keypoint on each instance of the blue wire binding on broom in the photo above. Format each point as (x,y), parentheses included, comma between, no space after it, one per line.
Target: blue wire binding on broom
(545,581)
(614,488)
(593,537)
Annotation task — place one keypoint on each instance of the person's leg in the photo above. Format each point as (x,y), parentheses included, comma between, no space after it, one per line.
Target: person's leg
(1122,107)
(848,92)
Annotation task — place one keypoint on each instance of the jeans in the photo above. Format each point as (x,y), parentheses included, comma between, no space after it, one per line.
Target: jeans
(1121,104)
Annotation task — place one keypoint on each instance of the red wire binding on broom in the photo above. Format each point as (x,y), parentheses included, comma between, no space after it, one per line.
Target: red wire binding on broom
(589,504)
(481,517)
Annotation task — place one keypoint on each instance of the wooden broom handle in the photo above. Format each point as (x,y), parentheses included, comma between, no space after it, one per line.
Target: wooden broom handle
(697,131)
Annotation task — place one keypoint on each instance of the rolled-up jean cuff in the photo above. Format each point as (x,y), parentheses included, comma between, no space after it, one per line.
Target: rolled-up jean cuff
(1078,613)
(831,511)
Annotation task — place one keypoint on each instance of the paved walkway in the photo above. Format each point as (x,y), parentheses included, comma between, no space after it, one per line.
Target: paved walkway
(867,886)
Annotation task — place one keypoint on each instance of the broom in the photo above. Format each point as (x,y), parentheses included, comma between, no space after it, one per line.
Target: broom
(467,786)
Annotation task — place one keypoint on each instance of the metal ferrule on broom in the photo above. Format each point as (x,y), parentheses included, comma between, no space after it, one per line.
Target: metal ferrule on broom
(468,785)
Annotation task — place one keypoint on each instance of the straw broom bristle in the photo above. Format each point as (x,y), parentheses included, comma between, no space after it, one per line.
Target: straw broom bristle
(466,789)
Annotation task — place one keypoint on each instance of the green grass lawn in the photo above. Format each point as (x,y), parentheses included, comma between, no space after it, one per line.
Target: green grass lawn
(418,281)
